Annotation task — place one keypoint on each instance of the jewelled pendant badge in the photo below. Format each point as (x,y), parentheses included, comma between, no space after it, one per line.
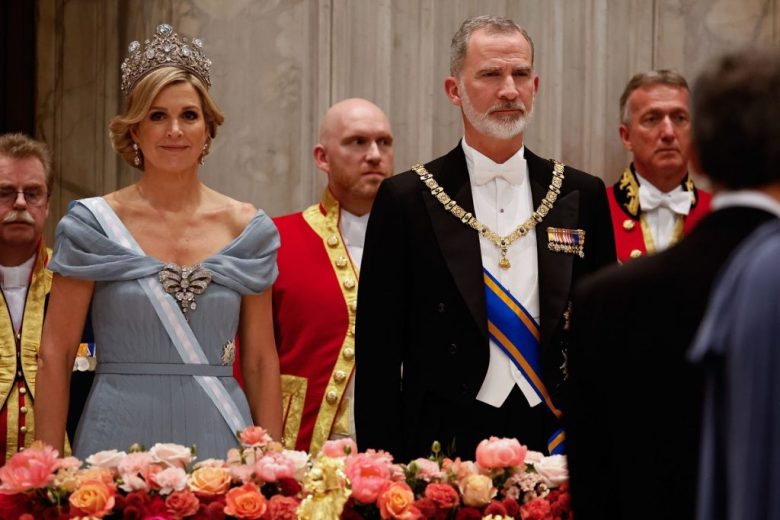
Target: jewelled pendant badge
(184,283)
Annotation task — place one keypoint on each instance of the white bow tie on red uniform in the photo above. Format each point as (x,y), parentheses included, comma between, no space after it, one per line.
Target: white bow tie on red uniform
(485,175)
(677,200)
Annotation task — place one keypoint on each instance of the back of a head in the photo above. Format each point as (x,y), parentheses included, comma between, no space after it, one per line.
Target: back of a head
(736,118)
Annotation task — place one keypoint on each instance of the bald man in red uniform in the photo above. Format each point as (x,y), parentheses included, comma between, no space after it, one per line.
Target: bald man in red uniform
(315,296)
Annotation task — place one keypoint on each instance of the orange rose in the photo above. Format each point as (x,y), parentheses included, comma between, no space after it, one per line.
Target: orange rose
(245,502)
(396,501)
(93,498)
(182,503)
(209,481)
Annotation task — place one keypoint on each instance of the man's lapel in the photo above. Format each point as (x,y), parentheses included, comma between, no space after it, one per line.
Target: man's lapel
(555,269)
(458,242)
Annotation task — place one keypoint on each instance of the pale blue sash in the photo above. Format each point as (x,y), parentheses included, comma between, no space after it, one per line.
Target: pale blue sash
(170,315)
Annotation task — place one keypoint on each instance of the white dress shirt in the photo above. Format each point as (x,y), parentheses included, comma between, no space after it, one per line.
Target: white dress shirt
(14,281)
(353,232)
(502,201)
(661,209)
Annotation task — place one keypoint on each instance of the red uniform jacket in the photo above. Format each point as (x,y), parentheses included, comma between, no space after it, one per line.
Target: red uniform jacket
(624,208)
(314,302)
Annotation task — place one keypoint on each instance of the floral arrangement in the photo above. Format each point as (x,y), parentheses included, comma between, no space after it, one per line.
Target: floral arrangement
(262,480)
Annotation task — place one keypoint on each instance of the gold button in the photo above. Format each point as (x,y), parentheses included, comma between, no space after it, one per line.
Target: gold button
(349,284)
(339,376)
(331,397)
(23,429)
(23,409)
(341,262)
(22,390)
(348,353)
(333,241)
(353,306)
(635,253)
(628,224)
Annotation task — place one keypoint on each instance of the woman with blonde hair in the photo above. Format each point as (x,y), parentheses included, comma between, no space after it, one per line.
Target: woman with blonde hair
(171,270)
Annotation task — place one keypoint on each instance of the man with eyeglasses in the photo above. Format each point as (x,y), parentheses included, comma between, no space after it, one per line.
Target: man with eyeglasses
(25,185)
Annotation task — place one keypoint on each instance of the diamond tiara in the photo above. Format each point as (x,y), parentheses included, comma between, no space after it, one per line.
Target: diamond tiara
(165,49)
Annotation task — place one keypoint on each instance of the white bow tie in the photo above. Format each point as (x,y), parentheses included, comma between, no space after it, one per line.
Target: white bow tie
(676,200)
(485,175)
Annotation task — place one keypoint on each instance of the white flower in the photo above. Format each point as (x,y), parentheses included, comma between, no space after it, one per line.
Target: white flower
(171,454)
(300,460)
(132,482)
(532,457)
(109,459)
(170,480)
(553,469)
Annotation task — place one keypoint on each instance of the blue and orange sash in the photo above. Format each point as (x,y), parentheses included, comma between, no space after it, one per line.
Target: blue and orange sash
(514,330)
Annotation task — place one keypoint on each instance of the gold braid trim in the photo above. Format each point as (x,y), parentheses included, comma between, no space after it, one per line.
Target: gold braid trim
(629,184)
(332,407)
(502,243)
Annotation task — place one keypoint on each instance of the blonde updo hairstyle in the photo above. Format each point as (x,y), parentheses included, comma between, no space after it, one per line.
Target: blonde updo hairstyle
(138,103)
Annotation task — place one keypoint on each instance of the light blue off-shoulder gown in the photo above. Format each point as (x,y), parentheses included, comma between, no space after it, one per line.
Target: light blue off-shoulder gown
(127,408)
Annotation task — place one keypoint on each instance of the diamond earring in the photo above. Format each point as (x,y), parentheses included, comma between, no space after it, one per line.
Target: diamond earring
(137,158)
(204,153)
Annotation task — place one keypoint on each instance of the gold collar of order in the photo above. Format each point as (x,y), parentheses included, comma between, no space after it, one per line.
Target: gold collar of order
(502,243)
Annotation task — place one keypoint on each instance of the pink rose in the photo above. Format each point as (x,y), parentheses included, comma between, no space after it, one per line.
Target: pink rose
(369,474)
(339,448)
(443,495)
(254,436)
(427,469)
(397,501)
(553,469)
(32,468)
(272,467)
(109,459)
(171,454)
(282,508)
(170,480)
(477,490)
(500,453)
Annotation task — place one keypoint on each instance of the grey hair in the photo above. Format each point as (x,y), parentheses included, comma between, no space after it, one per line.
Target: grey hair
(643,79)
(492,25)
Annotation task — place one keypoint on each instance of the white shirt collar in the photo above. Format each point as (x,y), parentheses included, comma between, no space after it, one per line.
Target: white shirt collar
(483,169)
(353,228)
(745,198)
(17,276)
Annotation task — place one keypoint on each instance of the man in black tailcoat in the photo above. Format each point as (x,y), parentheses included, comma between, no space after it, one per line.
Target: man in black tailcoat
(633,423)
(432,361)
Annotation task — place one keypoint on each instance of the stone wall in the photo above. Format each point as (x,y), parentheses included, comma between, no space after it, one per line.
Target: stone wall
(278,65)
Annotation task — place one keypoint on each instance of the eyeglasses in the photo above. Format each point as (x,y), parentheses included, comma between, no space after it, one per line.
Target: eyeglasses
(33,196)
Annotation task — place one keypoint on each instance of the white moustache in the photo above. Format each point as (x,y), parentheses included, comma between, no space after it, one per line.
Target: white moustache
(18,216)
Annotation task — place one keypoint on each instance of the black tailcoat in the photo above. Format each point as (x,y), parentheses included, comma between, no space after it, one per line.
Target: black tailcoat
(633,418)
(422,343)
